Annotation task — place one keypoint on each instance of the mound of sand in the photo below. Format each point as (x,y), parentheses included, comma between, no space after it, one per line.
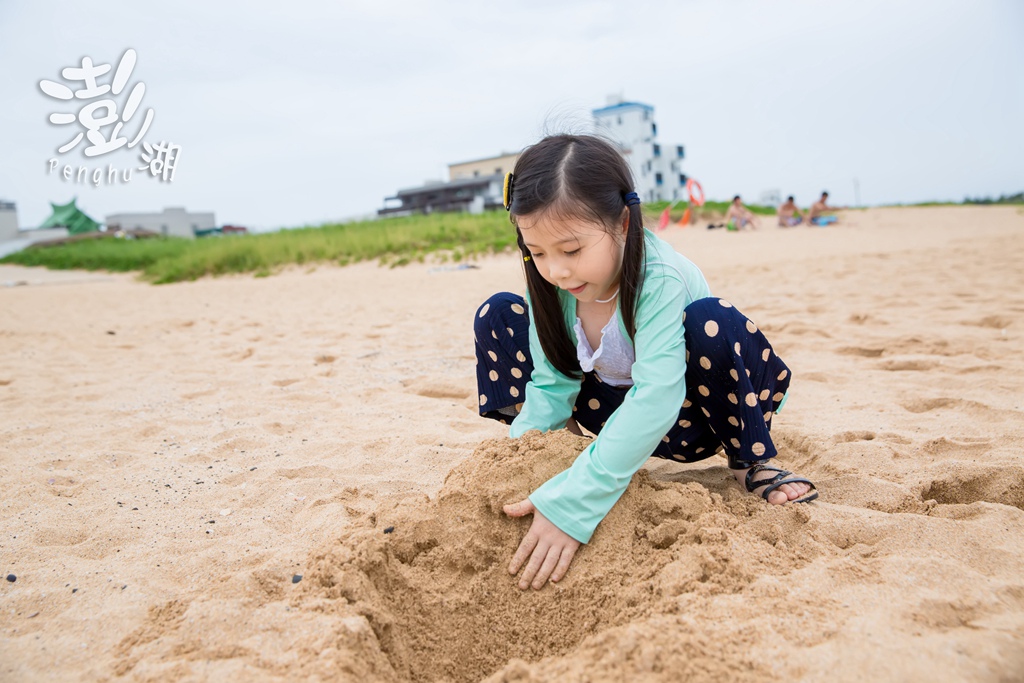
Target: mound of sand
(431,576)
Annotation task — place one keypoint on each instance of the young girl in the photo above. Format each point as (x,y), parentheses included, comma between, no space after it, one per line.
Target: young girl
(620,334)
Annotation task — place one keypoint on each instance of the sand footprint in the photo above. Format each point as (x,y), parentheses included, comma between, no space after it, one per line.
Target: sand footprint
(964,484)
(434,387)
(862,351)
(995,322)
(924,405)
(960,447)
(847,437)
(907,365)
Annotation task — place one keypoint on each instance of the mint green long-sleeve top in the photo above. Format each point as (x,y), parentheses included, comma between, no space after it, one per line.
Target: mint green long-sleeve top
(577,499)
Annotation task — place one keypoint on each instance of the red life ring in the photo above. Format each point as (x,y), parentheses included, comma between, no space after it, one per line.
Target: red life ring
(695,197)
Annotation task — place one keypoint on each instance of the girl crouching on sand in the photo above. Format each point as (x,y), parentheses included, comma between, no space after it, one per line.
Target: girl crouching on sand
(620,334)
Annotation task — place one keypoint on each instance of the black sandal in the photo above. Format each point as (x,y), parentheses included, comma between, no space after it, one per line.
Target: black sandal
(775,482)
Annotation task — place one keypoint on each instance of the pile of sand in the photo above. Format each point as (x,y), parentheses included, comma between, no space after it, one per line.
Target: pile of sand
(431,576)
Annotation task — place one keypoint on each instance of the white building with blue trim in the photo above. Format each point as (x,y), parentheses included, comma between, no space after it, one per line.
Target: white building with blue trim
(657,168)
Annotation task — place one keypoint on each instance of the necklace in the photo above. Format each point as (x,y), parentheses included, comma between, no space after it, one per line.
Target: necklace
(604,301)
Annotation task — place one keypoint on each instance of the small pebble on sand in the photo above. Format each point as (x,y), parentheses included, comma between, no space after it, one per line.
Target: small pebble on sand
(12,578)
(296,578)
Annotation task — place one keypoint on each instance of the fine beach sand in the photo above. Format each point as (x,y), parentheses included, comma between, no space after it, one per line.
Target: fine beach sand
(170,457)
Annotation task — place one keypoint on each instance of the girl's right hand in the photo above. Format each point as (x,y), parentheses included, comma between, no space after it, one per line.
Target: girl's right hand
(549,548)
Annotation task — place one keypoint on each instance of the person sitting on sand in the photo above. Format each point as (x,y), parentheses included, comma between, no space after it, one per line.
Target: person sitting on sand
(618,334)
(739,217)
(815,213)
(789,215)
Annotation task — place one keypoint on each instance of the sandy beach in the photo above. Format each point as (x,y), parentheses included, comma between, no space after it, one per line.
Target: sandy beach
(174,458)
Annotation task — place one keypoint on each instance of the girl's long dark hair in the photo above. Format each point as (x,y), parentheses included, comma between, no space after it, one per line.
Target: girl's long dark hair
(576,177)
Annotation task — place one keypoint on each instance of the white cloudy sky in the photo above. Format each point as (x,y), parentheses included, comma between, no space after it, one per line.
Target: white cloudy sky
(299,112)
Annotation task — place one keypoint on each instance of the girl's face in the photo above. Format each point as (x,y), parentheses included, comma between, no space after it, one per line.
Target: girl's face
(576,255)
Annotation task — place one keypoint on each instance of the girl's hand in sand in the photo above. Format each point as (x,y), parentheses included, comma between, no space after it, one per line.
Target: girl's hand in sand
(549,549)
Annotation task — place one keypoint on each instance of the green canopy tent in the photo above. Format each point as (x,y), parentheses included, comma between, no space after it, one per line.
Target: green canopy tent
(71,217)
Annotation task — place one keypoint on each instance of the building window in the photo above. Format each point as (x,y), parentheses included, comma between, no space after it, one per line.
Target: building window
(657,150)
(657,179)
(654,128)
(498,170)
(476,173)
(679,151)
(682,178)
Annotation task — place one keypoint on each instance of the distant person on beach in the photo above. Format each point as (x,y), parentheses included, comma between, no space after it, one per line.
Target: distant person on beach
(739,217)
(815,216)
(618,334)
(789,215)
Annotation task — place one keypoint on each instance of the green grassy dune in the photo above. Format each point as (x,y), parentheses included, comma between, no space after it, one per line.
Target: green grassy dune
(394,241)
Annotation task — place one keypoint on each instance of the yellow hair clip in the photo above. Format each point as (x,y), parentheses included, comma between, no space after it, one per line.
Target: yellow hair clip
(507,192)
(526,258)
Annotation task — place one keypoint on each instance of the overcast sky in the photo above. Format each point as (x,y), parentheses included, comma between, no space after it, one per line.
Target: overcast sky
(300,112)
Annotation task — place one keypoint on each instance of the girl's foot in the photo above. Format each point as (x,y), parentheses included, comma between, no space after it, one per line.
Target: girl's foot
(797,490)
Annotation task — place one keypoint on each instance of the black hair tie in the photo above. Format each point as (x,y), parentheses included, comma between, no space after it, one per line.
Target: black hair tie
(632,199)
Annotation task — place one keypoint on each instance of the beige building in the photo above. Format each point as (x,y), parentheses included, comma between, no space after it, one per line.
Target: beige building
(499,165)
(171,222)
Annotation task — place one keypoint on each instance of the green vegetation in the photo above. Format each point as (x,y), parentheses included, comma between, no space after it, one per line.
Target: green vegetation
(101,254)
(968,201)
(1003,199)
(395,241)
(711,210)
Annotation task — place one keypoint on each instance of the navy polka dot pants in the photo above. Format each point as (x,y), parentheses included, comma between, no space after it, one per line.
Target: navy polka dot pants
(734,381)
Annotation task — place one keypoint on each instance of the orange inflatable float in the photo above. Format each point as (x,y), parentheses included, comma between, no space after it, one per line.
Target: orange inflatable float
(695,191)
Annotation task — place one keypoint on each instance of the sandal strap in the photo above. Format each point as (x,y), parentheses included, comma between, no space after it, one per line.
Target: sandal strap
(772,483)
(797,480)
(813,495)
(751,484)
(737,464)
